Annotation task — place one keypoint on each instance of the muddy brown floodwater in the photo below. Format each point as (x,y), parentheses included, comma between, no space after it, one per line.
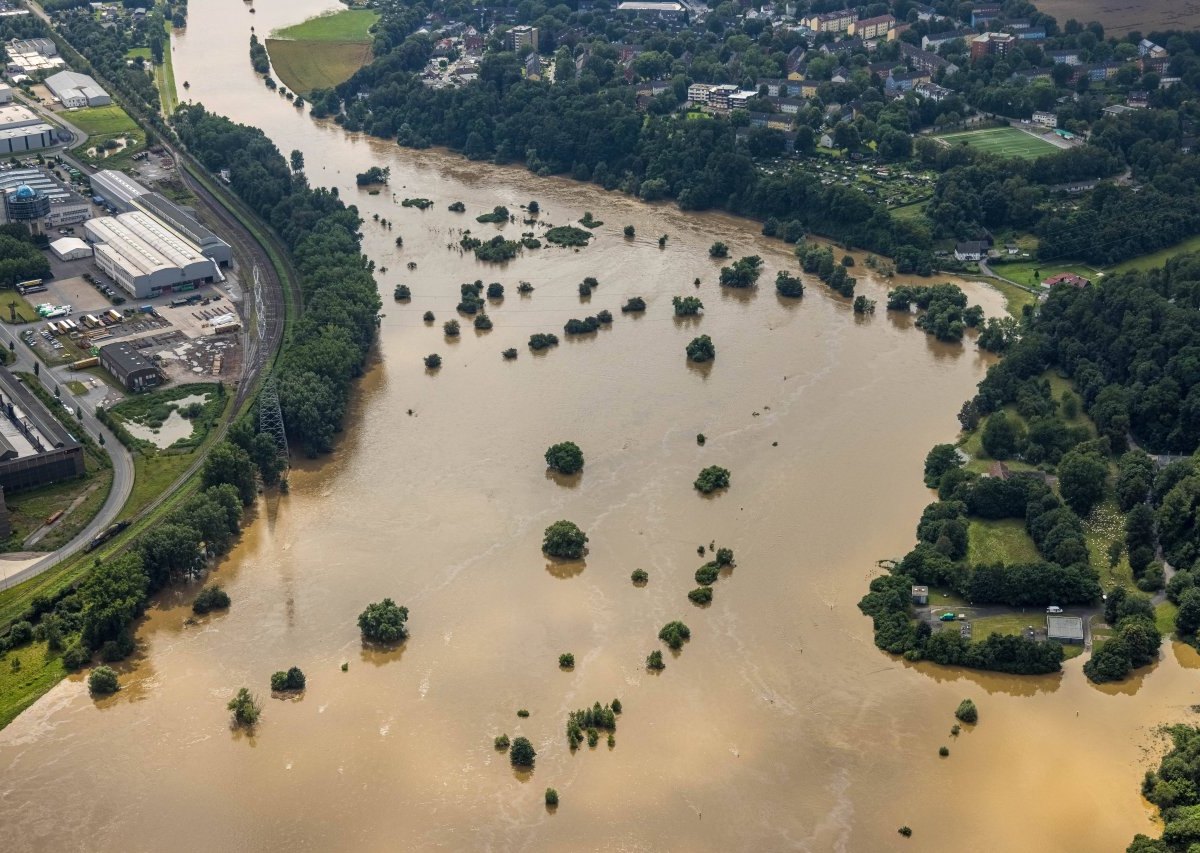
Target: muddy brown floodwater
(779,726)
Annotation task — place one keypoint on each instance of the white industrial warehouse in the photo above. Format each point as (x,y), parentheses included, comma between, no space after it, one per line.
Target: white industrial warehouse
(77,90)
(146,257)
(70,249)
(22,130)
(125,194)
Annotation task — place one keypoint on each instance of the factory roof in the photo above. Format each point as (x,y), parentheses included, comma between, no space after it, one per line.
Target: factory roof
(64,82)
(177,217)
(39,424)
(26,130)
(117,187)
(144,244)
(38,180)
(126,357)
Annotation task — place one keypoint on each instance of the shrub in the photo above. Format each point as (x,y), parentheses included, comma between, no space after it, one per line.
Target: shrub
(245,708)
(707,574)
(20,634)
(788,285)
(551,797)
(542,341)
(384,622)
(433,361)
(564,539)
(509,354)
(524,287)
(568,236)
(862,305)
(593,737)
(711,479)
(499,214)
(76,657)
(634,304)
(457,207)
(451,328)
(566,660)
(483,322)
(639,577)
(605,317)
(402,292)
(522,713)
(718,250)
(293,679)
(724,556)
(743,273)
(654,660)
(944,751)
(585,289)
(701,595)
(501,742)
(967,712)
(700,439)
(629,231)
(103,681)
(675,634)
(427,317)
(905,831)
(585,326)
(210,598)
(955,729)
(687,306)
(616,706)
(701,349)
(495,290)
(522,753)
(565,457)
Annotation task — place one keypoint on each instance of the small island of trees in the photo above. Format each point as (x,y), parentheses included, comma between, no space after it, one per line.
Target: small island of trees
(675,634)
(499,214)
(542,340)
(373,175)
(654,661)
(245,709)
(522,753)
(402,293)
(711,479)
(457,207)
(701,349)
(744,272)
(565,457)
(634,304)
(418,203)
(102,681)
(687,306)
(718,250)
(290,681)
(210,598)
(384,622)
(592,721)
(564,540)
(433,361)
(639,577)
(589,221)
(568,236)
(788,285)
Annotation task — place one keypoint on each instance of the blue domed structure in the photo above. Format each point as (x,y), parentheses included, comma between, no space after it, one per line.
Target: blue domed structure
(25,192)
(25,204)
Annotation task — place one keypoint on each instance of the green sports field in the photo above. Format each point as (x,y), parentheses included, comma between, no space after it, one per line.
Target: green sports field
(1004,141)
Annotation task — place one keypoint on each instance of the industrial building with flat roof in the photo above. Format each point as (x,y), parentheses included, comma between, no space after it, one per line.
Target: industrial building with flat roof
(23,130)
(77,90)
(35,449)
(133,370)
(126,194)
(147,257)
(66,207)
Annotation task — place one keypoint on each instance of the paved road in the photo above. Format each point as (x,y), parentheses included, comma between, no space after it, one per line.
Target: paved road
(122,462)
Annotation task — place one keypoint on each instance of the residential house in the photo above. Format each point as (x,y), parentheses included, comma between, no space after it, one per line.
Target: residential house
(831,22)
(718,96)
(795,57)
(1138,99)
(1045,119)
(932,92)
(983,15)
(991,44)
(788,106)
(826,141)
(925,60)
(972,250)
(776,88)
(872,28)
(698,93)
(1059,57)
(905,81)
(1067,278)
(927,13)
(533,67)
(936,40)
(1157,64)
(1149,48)
(841,74)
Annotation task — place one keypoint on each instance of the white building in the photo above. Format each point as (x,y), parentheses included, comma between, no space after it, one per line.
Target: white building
(1045,119)
(698,93)
(21,131)
(75,90)
(70,249)
(15,115)
(6,95)
(146,257)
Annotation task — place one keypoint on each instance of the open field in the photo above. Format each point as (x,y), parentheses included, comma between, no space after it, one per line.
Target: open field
(1001,541)
(323,51)
(38,670)
(1120,16)
(102,121)
(349,25)
(1033,273)
(1005,141)
(1008,623)
(303,65)
(1159,258)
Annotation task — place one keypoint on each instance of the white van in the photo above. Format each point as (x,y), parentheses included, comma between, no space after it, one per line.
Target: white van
(1054,609)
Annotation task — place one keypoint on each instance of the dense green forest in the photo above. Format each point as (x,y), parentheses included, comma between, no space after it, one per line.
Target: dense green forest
(329,343)
(1175,789)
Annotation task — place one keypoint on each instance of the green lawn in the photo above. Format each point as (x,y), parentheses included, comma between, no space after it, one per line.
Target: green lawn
(102,121)
(1004,141)
(38,671)
(10,299)
(1164,618)
(1105,525)
(303,66)
(1007,623)
(1033,273)
(1157,259)
(910,211)
(164,78)
(135,52)
(1001,541)
(346,25)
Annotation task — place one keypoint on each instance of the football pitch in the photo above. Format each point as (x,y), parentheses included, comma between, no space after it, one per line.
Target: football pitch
(1004,141)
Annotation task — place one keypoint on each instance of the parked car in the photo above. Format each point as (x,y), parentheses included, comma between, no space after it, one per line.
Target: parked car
(1054,608)
(947,617)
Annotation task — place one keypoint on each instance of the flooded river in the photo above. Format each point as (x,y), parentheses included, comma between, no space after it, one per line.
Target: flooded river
(778,727)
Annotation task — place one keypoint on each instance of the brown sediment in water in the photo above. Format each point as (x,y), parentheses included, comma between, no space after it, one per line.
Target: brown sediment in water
(779,726)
